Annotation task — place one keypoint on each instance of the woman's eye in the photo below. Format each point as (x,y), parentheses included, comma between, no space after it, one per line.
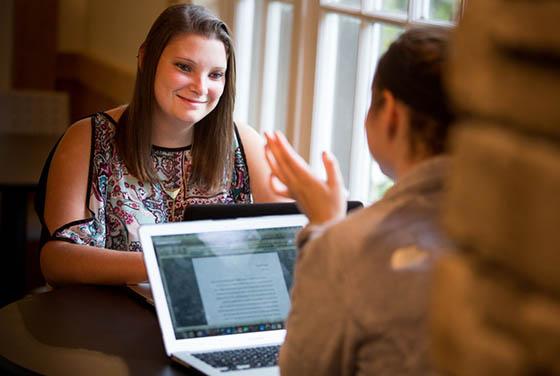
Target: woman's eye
(216,75)
(184,67)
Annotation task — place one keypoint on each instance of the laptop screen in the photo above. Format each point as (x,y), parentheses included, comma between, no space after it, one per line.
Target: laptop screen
(227,282)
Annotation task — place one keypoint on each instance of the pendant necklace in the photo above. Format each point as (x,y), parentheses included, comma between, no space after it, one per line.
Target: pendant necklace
(173,193)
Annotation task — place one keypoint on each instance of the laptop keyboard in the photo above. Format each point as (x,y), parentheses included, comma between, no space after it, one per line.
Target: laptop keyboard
(235,360)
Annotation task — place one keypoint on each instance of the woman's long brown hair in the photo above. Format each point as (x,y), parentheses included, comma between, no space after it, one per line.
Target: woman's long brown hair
(213,135)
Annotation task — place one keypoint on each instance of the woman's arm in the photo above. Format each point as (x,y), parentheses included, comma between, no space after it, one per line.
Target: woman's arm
(259,171)
(66,263)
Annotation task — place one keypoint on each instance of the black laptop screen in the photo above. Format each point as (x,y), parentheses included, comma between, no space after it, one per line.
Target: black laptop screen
(227,282)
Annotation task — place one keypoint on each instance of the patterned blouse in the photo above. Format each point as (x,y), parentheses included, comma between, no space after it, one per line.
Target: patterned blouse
(119,203)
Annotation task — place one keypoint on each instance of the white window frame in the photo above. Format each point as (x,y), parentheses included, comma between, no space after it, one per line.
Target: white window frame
(306,117)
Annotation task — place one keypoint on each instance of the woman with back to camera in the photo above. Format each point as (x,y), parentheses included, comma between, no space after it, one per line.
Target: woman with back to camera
(361,284)
(175,144)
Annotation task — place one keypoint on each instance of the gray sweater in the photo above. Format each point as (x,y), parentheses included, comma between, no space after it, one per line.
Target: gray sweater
(361,286)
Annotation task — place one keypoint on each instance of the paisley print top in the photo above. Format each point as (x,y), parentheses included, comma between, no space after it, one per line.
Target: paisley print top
(119,203)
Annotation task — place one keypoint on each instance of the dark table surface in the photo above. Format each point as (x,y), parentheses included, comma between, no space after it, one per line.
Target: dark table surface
(84,330)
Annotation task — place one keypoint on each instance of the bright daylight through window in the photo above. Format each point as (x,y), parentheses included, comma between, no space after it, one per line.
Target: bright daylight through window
(305,68)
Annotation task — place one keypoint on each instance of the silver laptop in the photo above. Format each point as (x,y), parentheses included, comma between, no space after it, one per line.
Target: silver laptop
(221,290)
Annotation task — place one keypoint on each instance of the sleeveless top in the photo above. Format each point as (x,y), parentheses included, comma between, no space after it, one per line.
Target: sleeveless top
(119,203)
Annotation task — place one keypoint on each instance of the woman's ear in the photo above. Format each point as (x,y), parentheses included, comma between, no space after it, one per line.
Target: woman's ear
(140,55)
(380,113)
(389,114)
(397,117)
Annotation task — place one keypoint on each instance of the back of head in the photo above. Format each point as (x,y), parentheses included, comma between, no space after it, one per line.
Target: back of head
(412,70)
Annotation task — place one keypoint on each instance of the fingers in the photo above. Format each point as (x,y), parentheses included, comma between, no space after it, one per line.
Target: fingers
(279,182)
(287,170)
(334,175)
(285,155)
(279,188)
(274,168)
(292,159)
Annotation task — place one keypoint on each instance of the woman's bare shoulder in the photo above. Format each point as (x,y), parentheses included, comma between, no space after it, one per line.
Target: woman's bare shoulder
(76,135)
(79,133)
(116,112)
(248,134)
(74,148)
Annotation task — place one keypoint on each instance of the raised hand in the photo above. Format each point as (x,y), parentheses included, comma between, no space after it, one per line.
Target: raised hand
(322,201)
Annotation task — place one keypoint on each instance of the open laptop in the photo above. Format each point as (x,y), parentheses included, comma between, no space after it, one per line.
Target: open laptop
(221,290)
(222,211)
(226,211)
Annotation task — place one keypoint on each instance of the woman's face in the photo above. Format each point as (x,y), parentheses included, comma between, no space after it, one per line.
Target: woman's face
(190,78)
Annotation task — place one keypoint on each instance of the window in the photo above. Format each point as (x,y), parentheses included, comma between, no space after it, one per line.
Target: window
(305,68)
(263,74)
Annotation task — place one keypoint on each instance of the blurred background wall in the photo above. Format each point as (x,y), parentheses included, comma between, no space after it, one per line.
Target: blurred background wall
(6,25)
(86,48)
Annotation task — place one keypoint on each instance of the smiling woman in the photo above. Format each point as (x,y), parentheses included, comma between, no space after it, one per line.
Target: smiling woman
(175,144)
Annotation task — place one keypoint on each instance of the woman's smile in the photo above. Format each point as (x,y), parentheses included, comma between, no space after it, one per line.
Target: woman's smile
(193,101)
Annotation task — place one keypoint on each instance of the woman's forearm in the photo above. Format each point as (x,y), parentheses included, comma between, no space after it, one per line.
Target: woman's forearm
(65,263)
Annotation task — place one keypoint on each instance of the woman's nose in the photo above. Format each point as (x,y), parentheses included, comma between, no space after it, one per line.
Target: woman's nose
(199,86)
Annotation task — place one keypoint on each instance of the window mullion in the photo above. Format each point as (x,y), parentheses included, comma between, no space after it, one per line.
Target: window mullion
(415,10)
(302,104)
(263,67)
(244,37)
(360,161)
(368,5)
(293,105)
(367,15)
(321,133)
